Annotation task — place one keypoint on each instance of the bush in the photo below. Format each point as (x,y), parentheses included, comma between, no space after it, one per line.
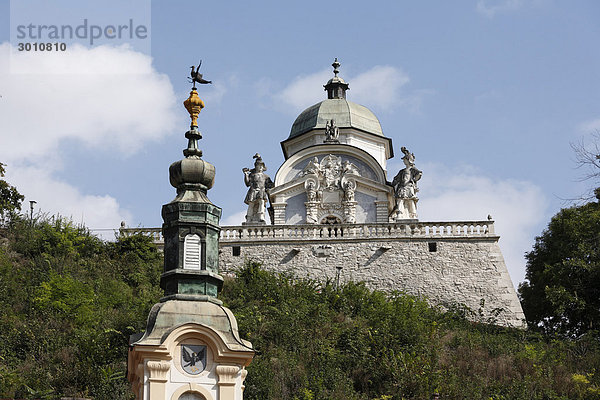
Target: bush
(317,341)
(71,301)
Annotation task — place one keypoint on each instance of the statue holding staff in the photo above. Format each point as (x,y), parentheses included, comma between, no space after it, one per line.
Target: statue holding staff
(258,184)
(405,189)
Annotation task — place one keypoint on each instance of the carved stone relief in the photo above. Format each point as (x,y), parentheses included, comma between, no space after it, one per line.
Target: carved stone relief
(330,187)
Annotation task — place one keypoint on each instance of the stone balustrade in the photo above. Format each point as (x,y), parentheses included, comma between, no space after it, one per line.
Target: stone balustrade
(154,233)
(357,231)
(456,229)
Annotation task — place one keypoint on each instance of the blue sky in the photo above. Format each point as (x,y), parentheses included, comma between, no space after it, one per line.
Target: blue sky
(487,94)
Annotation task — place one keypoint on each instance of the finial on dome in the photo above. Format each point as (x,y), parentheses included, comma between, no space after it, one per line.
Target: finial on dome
(335,66)
(336,87)
(192,176)
(194,105)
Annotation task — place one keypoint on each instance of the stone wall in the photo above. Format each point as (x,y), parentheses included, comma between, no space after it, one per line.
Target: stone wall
(444,266)
(444,262)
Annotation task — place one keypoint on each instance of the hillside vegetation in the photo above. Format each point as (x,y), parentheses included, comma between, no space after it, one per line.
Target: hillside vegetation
(69,302)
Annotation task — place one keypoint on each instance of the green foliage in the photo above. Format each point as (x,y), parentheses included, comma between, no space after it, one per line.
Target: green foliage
(10,199)
(561,294)
(318,342)
(70,302)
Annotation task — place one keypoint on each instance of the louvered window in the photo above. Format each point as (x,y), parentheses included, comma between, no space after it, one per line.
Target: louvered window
(192,252)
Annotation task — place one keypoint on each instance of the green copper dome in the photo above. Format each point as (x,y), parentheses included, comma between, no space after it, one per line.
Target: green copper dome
(346,114)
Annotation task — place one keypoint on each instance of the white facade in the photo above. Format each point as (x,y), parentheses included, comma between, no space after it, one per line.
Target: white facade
(335,167)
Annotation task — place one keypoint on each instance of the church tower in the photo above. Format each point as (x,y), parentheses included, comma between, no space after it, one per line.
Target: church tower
(191,349)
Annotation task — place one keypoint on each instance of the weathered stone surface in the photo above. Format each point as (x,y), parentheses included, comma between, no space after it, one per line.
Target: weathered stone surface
(462,270)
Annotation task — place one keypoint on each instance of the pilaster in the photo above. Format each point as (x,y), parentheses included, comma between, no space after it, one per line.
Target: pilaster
(227,380)
(381,207)
(157,377)
(279,213)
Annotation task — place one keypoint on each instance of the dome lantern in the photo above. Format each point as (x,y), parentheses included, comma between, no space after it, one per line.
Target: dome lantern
(336,87)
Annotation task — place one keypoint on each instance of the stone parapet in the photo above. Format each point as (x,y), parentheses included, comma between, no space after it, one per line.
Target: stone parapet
(439,229)
(372,231)
(451,264)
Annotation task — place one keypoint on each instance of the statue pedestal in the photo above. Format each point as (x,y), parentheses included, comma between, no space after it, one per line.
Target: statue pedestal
(255,223)
(190,350)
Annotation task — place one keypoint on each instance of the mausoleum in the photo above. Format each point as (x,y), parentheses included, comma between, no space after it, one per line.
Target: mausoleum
(337,213)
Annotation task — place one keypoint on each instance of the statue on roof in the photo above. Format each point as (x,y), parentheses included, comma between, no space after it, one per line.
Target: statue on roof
(332,132)
(405,189)
(257,196)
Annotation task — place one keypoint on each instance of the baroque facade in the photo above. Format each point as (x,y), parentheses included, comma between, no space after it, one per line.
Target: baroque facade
(335,214)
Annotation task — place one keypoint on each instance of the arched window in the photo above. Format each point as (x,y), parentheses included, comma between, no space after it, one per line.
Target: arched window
(191,396)
(192,252)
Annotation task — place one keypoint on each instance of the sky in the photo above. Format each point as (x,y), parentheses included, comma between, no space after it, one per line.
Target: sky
(488,95)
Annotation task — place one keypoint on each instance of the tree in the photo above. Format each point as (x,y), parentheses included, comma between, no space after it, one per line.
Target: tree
(10,198)
(561,293)
(587,158)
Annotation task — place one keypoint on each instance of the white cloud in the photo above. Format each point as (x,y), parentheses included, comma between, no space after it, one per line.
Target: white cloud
(490,8)
(235,219)
(304,90)
(381,87)
(103,98)
(56,197)
(214,93)
(463,193)
(590,126)
(117,100)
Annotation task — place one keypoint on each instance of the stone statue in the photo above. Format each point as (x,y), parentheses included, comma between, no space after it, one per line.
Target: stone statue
(311,192)
(331,167)
(350,169)
(313,167)
(258,185)
(349,188)
(405,188)
(332,132)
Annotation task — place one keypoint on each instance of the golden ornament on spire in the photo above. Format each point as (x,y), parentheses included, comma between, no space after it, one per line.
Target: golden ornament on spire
(194,105)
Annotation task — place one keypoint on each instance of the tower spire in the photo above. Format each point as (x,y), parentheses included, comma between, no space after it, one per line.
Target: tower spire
(191,347)
(336,87)
(191,222)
